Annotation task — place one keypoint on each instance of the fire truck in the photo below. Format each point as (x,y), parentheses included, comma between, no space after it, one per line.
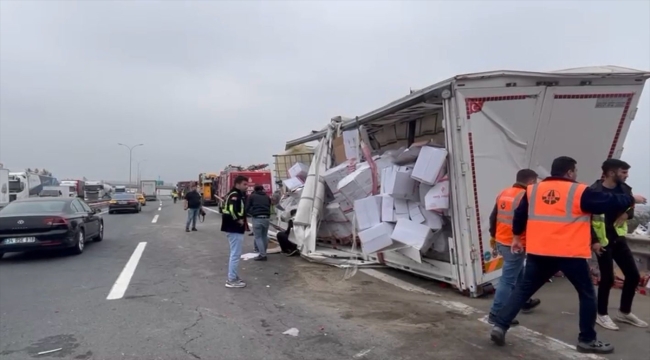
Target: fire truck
(256,174)
(208,186)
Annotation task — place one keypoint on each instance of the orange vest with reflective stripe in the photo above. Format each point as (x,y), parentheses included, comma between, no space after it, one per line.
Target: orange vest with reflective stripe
(557,226)
(507,202)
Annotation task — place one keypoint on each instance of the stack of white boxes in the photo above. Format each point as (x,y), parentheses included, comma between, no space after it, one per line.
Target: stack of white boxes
(297,175)
(414,199)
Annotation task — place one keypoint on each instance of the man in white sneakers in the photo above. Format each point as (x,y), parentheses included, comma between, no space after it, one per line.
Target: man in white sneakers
(609,244)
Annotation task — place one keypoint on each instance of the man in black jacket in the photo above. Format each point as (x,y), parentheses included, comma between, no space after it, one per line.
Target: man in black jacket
(609,244)
(233,223)
(259,208)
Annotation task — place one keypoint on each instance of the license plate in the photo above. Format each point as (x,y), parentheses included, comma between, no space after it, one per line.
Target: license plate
(121,202)
(23,240)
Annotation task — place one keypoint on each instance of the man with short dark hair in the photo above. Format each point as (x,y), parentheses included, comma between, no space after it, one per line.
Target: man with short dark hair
(233,223)
(192,205)
(556,214)
(501,240)
(609,244)
(259,208)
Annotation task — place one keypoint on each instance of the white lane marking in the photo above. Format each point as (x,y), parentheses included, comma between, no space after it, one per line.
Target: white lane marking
(122,282)
(159,208)
(155,219)
(213,210)
(562,348)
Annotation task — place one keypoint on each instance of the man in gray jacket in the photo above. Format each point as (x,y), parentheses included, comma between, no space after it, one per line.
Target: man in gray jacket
(259,208)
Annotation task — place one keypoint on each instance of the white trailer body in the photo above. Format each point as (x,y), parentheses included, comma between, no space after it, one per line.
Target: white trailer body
(149,189)
(494,124)
(4,187)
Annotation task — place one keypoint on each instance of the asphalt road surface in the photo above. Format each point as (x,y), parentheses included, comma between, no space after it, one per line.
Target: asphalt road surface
(175,305)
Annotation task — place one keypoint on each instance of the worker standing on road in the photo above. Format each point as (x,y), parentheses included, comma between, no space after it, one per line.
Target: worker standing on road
(233,223)
(192,205)
(556,214)
(258,206)
(609,244)
(501,233)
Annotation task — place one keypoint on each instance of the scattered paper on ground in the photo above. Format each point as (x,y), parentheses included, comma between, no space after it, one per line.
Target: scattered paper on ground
(292,332)
(249,256)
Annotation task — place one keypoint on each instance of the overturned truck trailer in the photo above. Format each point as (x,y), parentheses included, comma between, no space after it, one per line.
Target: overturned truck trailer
(491,125)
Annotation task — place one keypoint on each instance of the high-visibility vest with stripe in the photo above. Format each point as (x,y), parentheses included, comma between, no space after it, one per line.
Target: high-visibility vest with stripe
(229,208)
(557,226)
(598,223)
(507,202)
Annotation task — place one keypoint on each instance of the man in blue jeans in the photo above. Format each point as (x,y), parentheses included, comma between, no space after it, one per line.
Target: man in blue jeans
(193,207)
(501,233)
(556,214)
(258,207)
(233,223)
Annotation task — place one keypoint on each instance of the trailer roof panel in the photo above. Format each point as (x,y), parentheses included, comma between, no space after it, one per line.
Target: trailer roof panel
(419,97)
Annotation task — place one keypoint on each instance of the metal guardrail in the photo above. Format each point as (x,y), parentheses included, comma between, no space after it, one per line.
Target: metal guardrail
(639,244)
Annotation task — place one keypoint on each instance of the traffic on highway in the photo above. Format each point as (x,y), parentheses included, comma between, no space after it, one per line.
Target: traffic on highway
(282,180)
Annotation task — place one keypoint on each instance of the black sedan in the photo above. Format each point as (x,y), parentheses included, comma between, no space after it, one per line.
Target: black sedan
(124,202)
(49,223)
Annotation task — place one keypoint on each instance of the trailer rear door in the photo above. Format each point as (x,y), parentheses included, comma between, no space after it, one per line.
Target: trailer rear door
(587,123)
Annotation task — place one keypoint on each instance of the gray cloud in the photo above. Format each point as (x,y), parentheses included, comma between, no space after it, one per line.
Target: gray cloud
(208,83)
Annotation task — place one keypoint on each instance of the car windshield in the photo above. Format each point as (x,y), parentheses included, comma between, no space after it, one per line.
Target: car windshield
(123,197)
(33,207)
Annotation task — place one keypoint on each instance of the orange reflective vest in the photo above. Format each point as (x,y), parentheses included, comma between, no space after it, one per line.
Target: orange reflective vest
(507,202)
(557,226)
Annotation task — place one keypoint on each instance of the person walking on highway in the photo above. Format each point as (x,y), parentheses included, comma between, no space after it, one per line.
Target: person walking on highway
(233,223)
(501,233)
(609,244)
(193,206)
(258,206)
(556,214)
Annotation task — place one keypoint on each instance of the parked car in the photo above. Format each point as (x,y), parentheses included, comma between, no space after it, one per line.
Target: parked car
(142,199)
(49,223)
(124,202)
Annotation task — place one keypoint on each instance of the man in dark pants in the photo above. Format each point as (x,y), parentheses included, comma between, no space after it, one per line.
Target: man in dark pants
(556,216)
(193,206)
(609,244)
(258,206)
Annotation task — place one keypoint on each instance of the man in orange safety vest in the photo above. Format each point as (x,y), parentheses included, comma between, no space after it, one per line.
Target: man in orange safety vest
(501,240)
(555,215)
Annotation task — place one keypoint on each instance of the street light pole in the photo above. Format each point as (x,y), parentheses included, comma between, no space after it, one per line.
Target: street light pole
(130,157)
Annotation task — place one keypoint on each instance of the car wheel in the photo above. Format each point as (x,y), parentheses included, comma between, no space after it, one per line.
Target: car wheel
(80,244)
(1,255)
(111,212)
(100,236)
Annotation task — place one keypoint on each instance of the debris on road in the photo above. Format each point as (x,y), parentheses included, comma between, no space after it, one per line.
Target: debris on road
(49,351)
(249,256)
(292,332)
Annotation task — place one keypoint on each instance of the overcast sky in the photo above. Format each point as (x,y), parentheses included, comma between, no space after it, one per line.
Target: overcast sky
(207,83)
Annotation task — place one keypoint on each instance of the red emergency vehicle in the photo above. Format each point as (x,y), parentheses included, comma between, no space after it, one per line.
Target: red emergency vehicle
(256,174)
